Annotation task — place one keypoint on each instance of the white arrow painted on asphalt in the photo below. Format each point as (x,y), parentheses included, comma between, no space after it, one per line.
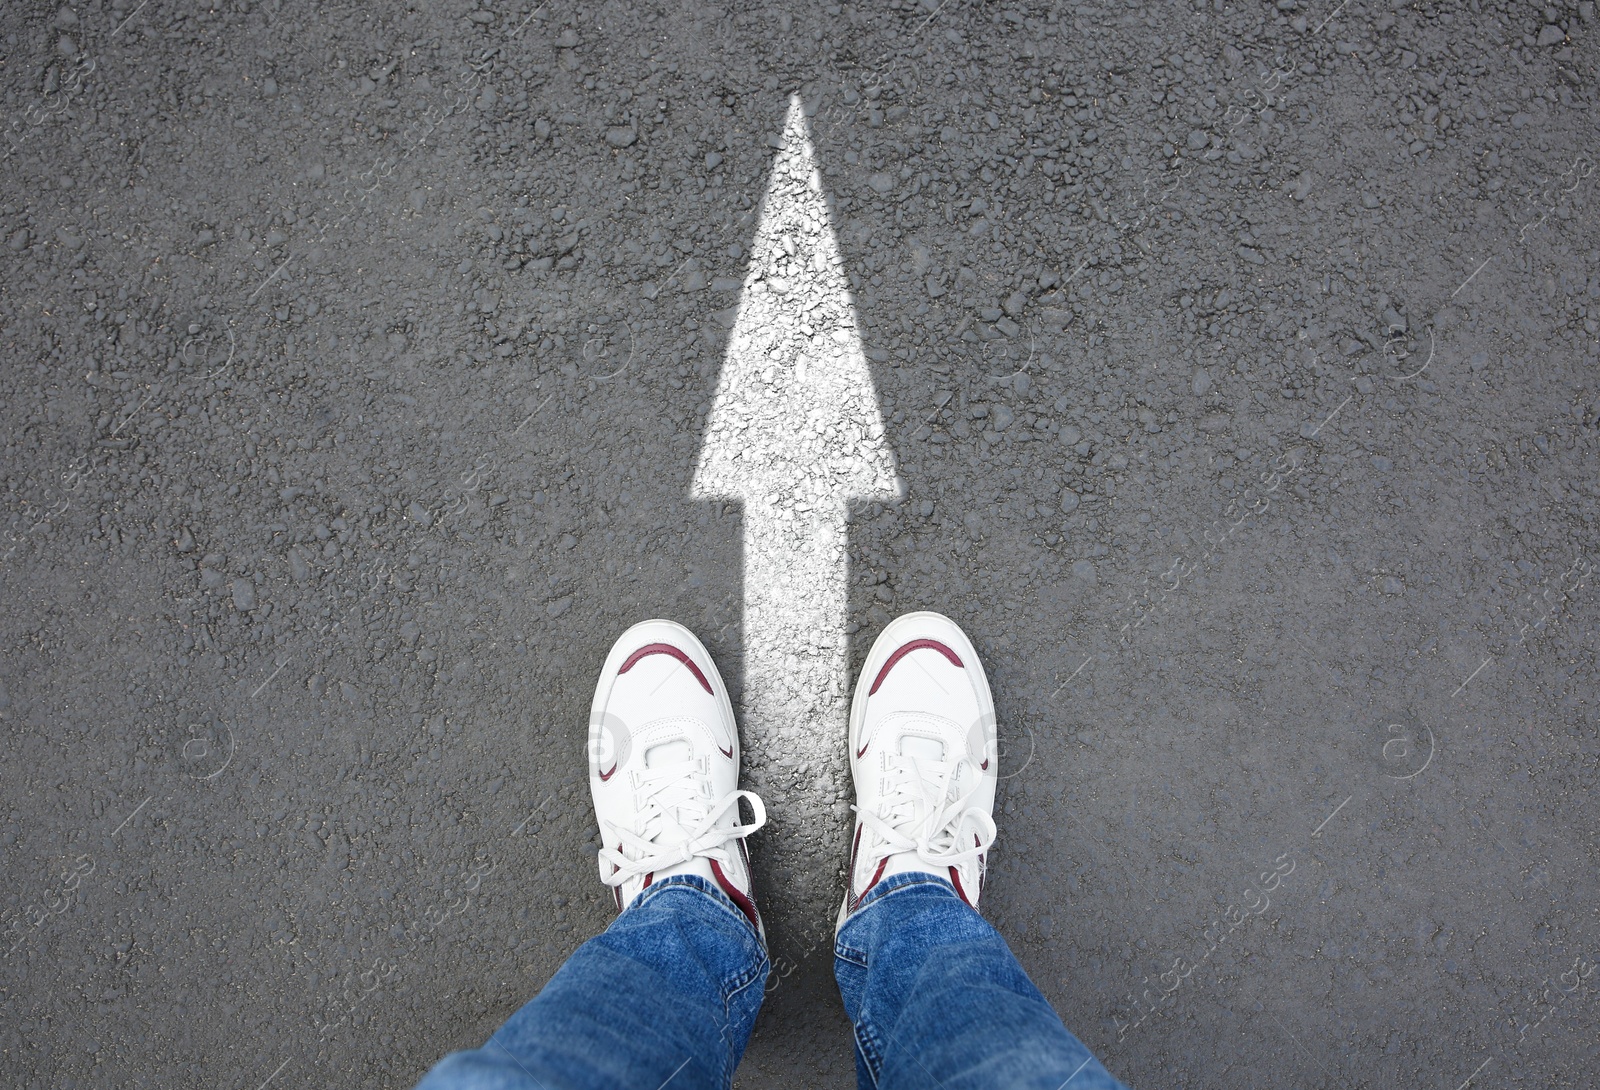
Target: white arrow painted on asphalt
(796,434)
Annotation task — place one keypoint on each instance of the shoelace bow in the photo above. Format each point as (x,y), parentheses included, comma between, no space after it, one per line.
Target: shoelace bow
(916,814)
(674,799)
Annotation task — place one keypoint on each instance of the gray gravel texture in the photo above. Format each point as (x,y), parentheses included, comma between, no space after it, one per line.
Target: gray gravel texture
(1241,361)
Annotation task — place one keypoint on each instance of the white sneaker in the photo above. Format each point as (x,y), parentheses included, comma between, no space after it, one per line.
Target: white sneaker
(923,757)
(664,768)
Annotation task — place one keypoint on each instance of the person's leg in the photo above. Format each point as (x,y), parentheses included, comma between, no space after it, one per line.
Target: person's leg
(937,999)
(934,993)
(669,991)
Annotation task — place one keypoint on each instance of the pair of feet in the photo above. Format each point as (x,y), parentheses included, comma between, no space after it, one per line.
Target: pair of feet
(664,764)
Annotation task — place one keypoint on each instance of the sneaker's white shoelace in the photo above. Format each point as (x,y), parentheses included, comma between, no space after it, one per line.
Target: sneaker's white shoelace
(677,821)
(917,813)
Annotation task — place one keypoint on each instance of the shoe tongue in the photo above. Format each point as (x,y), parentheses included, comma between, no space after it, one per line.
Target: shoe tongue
(923,749)
(668,753)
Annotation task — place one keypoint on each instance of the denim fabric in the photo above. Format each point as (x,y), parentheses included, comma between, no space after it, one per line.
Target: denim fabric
(667,995)
(669,991)
(938,999)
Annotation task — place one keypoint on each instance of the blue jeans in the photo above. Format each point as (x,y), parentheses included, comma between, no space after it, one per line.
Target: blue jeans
(668,994)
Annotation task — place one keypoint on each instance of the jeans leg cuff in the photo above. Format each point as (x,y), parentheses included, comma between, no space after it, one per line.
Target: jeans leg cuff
(894,884)
(699,884)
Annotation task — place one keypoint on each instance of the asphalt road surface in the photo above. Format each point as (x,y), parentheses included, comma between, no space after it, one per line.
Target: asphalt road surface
(1235,364)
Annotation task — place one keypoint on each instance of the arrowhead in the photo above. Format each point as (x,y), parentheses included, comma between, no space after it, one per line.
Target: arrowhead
(796,415)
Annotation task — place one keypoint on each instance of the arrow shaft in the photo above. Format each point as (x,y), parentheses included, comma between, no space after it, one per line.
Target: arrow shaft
(795,707)
(796,602)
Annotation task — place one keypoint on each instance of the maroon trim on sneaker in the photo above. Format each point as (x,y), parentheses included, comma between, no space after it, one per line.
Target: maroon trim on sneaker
(738,897)
(648,878)
(728,753)
(604,776)
(914,645)
(617,892)
(866,889)
(955,880)
(667,649)
(855,846)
